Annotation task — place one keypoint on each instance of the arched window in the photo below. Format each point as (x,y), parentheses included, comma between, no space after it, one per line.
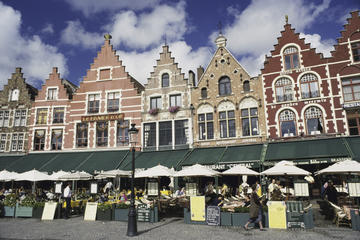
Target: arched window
(204,93)
(283,88)
(165,80)
(246,86)
(224,86)
(309,86)
(287,123)
(314,121)
(291,58)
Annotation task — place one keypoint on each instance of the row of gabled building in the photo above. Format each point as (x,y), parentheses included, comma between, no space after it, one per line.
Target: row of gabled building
(299,95)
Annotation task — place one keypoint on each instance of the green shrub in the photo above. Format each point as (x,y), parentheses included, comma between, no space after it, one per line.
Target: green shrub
(122,205)
(242,209)
(28,201)
(104,206)
(10,200)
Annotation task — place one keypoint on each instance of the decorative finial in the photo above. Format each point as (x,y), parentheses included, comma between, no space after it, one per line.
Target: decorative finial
(220,27)
(107,36)
(286,19)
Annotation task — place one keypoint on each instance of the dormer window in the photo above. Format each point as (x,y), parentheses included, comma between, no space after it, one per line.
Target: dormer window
(224,86)
(165,80)
(355,48)
(52,94)
(14,95)
(203,93)
(291,58)
(246,86)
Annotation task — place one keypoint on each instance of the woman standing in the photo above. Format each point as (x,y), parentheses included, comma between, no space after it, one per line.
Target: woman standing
(255,209)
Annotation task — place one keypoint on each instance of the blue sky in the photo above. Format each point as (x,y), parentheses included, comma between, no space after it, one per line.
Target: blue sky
(38,35)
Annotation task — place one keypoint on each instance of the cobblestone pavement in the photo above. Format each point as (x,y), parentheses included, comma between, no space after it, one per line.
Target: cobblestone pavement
(170,228)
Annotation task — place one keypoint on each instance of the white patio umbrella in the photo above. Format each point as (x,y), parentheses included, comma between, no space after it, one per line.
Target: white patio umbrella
(285,168)
(75,176)
(196,170)
(343,167)
(240,170)
(7,176)
(154,172)
(33,176)
(55,175)
(113,173)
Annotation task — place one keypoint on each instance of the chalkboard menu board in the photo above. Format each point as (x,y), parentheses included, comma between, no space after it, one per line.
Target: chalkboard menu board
(213,215)
(143,213)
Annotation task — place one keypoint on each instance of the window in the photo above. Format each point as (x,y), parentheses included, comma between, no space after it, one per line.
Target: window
(113,102)
(104,74)
(4,118)
(2,142)
(82,135)
(309,86)
(56,139)
(354,126)
(93,103)
(122,136)
(58,115)
(250,122)
(206,126)
(246,86)
(203,93)
(20,118)
(155,102)
(39,140)
(291,57)
(287,123)
(181,132)
(165,133)
(227,124)
(101,134)
(313,120)
(149,135)
(14,95)
(283,88)
(175,100)
(224,86)
(351,88)
(41,116)
(17,142)
(355,48)
(165,80)
(52,94)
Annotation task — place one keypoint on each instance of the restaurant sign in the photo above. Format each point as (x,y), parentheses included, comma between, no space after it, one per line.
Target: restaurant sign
(351,105)
(107,117)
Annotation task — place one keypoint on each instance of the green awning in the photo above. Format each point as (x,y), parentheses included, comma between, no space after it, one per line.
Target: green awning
(65,161)
(31,161)
(354,143)
(7,161)
(204,156)
(307,152)
(104,160)
(245,154)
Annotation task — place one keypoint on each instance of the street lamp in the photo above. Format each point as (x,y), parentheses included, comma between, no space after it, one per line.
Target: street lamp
(132,224)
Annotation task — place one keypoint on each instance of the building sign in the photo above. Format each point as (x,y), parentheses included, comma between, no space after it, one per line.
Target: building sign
(107,117)
(351,105)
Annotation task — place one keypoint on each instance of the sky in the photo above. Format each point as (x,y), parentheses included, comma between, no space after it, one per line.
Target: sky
(42,34)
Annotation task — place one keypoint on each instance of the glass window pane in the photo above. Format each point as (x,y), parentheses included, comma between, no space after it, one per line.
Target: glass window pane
(232,129)
(254,126)
(231,114)
(222,115)
(223,129)
(244,112)
(287,62)
(245,127)
(209,116)
(253,111)
(210,130)
(352,122)
(288,128)
(165,131)
(295,60)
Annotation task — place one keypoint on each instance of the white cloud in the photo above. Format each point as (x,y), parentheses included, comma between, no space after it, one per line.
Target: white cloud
(48,28)
(255,29)
(149,29)
(140,64)
(322,46)
(88,7)
(75,34)
(34,56)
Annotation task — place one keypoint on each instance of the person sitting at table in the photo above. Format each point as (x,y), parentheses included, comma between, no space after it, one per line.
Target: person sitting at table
(331,192)
(225,190)
(139,193)
(180,192)
(123,196)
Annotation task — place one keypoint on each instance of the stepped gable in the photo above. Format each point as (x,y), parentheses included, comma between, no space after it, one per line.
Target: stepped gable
(107,58)
(165,59)
(288,35)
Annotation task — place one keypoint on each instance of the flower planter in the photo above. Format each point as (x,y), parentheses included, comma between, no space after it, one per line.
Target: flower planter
(355,220)
(309,219)
(104,215)
(225,219)
(22,211)
(239,219)
(37,212)
(121,214)
(187,218)
(9,211)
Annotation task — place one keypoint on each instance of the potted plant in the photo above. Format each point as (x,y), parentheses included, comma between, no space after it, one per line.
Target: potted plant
(225,217)
(240,216)
(24,208)
(174,109)
(9,205)
(104,212)
(121,212)
(38,209)
(153,111)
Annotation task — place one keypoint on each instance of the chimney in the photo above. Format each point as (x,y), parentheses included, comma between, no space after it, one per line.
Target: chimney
(200,72)
(192,78)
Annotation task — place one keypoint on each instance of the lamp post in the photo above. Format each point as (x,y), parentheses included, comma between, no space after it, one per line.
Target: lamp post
(132,224)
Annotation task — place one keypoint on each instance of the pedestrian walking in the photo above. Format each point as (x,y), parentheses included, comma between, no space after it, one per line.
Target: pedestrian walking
(255,209)
(67,196)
